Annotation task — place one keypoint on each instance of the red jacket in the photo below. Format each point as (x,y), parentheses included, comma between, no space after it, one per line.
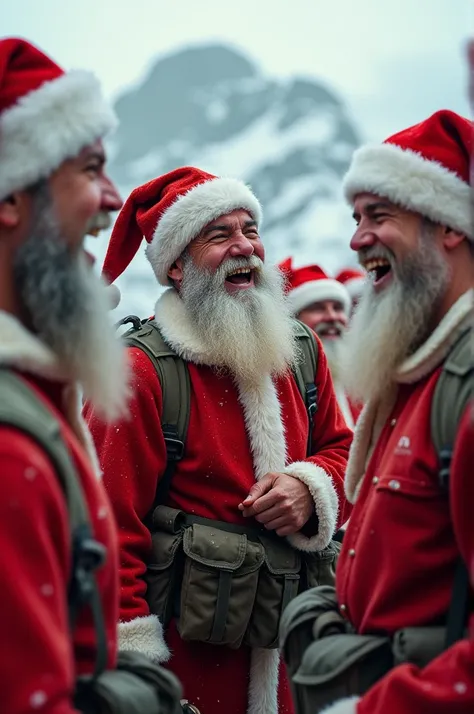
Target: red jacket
(405,535)
(38,661)
(231,437)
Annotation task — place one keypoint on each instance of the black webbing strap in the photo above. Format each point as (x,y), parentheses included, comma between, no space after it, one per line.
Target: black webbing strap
(458,612)
(304,373)
(224,588)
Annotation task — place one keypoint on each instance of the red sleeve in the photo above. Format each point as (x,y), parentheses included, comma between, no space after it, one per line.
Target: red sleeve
(36,657)
(445,685)
(132,456)
(331,436)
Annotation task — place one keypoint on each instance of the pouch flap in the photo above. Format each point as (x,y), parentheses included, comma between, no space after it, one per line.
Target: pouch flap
(220,549)
(168,519)
(418,645)
(305,607)
(164,547)
(280,557)
(331,656)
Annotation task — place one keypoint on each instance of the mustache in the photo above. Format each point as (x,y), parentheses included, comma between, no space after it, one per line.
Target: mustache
(99,222)
(330,325)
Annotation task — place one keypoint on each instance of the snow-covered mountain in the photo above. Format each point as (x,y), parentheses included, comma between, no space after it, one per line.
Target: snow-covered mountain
(291,140)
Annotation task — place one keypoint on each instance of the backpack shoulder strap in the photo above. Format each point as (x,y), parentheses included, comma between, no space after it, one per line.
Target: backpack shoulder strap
(173,374)
(454,389)
(304,373)
(22,409)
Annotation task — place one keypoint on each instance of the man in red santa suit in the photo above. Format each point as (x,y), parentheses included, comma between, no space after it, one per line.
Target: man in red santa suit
(415,237)
(354,281)
(245,463)
(324,305)
(54,335)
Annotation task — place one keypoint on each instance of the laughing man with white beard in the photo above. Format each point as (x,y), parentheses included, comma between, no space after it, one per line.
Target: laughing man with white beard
(415,237)
(324,305)
(245,463)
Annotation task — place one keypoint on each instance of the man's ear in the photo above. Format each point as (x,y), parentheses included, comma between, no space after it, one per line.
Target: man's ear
(175,273)
(451,238)
(10,210)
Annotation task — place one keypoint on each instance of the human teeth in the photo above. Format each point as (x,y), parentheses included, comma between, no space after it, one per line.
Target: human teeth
(375,263)
(239,270)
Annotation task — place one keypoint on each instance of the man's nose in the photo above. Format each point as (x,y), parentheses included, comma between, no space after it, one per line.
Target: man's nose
(242,246)
(362,238)
(111,199)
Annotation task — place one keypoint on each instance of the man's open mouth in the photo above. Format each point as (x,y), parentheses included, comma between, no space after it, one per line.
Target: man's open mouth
(329,332)
(378,269)
(240,276)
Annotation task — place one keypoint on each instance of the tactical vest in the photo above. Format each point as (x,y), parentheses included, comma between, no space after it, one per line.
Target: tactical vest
(222,583)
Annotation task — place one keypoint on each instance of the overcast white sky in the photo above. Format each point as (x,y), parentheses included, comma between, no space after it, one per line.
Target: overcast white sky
(393,61)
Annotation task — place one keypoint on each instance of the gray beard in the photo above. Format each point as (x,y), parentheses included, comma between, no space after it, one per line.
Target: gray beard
(252,332)
(387,328)
(67,307)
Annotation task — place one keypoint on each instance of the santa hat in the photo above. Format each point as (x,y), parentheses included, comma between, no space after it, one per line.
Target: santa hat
(169,212)
(46,115)
(424,168)
(311,284)
(353,280)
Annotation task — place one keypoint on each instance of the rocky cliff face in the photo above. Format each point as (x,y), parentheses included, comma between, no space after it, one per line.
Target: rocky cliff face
(290,140)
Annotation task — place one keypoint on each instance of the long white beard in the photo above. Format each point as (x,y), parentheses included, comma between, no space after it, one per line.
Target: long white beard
(387,328)
(333,349)
(68,308)
(252,332)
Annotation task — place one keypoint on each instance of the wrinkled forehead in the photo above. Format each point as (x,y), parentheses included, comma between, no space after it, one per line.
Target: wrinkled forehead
(237,218)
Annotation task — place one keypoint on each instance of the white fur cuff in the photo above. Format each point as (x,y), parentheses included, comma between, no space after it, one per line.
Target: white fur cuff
(145,635)
(343,706)
(326,504)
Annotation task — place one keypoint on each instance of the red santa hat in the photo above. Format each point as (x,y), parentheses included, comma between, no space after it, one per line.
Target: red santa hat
(424,168)
(353,280)
(169,212)
(311,284)
(46,115)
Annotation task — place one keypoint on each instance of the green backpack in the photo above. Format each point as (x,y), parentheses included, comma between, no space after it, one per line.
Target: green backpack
(137,685)
(176,388)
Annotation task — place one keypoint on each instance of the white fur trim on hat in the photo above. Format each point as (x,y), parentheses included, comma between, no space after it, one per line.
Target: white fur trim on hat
(316,290)
(190,213)
(354,286)
(49,125)
(406,178)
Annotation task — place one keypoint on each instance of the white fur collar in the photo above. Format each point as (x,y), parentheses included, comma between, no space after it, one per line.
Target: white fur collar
(21,349)
(434,350)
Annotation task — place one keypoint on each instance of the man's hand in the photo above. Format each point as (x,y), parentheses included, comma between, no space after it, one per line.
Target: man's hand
(279,501)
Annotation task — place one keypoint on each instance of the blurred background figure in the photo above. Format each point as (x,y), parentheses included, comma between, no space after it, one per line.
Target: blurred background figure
(324,304)
(353,280)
